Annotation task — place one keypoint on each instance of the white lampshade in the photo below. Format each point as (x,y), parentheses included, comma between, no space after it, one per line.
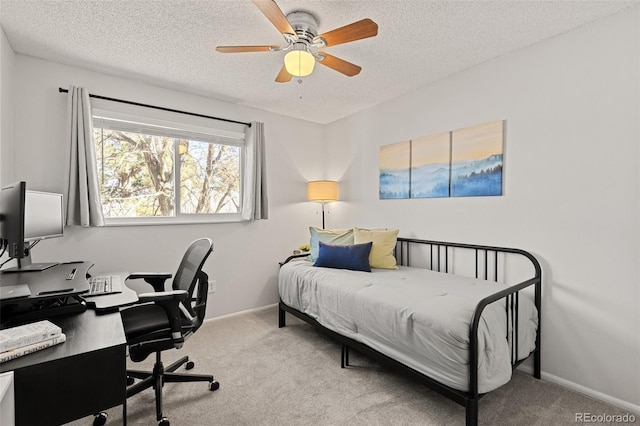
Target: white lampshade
(299,63)
(322,190)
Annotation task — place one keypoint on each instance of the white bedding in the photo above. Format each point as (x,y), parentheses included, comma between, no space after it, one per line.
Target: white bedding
(416,316)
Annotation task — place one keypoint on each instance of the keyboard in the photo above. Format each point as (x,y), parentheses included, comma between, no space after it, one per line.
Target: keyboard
(106,284)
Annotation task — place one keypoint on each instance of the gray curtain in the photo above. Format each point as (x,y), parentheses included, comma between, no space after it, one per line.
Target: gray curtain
(84,207)
(255,203)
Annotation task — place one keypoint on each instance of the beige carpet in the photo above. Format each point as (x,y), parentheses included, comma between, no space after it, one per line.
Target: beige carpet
(292,376)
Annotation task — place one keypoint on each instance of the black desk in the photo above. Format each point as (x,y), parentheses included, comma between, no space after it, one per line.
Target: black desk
(63,279)
(54,291)
(82,376)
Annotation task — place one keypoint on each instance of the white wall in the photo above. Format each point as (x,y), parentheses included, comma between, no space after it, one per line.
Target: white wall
(6,99)
(571,187)
(245,260)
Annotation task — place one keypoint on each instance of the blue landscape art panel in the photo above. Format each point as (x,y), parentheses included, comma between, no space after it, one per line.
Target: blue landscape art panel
(430,166)
(460,163)
(477,160)
(395,163)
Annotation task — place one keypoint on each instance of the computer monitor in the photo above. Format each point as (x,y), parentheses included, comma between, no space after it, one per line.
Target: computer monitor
(12,218)
(29,217)
(43,216)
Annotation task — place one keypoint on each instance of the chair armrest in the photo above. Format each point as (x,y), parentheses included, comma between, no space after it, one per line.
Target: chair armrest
(156,279)
(163,296)
(169,301)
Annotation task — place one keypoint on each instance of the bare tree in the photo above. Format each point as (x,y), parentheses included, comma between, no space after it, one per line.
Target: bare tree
(138,175)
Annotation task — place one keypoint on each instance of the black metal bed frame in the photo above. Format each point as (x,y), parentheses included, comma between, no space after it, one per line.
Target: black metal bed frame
(441,260)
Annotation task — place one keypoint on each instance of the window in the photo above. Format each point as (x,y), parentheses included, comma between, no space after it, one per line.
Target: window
(154,170)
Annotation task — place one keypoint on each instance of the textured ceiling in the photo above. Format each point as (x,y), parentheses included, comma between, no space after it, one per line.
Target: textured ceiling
(170,43)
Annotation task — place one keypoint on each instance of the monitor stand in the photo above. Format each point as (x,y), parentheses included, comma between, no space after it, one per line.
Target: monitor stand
(25,265)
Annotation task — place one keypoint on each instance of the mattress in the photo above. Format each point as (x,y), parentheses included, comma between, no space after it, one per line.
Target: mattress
(418,317)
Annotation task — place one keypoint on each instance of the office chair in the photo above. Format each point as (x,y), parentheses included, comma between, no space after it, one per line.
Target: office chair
(164,320)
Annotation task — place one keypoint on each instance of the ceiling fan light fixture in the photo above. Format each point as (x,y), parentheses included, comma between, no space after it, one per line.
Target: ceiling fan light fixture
(299,62)
(300,31)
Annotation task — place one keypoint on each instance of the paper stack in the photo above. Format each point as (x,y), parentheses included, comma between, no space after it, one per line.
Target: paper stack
(28,338)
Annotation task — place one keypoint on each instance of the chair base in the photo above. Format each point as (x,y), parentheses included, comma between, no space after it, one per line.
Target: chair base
(161,375)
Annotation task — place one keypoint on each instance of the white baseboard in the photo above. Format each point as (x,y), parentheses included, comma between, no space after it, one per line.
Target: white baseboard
(624,405)
(248,311)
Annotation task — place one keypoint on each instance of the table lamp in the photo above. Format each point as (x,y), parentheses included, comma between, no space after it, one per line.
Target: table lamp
(322,191)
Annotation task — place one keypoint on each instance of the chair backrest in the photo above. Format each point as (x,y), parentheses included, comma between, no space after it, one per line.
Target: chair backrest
(190,274)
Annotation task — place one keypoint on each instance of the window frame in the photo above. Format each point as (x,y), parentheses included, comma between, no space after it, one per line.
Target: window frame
(138,119)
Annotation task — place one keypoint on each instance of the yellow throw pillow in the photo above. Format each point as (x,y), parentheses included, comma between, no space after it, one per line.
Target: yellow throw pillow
(384,244)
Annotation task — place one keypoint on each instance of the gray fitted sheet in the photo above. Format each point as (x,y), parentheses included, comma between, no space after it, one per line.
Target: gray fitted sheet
(416,316)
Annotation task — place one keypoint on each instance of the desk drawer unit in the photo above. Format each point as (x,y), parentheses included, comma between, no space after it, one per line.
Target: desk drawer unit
(82,376)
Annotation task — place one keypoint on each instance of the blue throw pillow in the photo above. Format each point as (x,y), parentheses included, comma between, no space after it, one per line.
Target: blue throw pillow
(354,257)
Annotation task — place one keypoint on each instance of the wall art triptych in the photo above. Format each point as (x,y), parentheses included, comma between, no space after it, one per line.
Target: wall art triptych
(461,163)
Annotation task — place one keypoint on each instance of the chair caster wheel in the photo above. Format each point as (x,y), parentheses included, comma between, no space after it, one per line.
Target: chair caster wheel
(189,365)
(215,385)
(130,380)
(100,419)
(164,422)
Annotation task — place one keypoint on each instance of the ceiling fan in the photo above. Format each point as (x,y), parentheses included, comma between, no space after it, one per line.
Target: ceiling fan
(299,29)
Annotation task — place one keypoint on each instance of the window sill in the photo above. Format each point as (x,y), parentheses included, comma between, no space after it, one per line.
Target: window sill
(232,218)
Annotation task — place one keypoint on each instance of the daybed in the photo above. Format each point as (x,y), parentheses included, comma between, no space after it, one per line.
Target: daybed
(460,335)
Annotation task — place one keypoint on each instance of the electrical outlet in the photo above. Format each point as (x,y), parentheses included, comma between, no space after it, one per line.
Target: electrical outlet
(212,286)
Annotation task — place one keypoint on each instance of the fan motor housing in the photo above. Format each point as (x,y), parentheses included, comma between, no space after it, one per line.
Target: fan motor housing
(304,24)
